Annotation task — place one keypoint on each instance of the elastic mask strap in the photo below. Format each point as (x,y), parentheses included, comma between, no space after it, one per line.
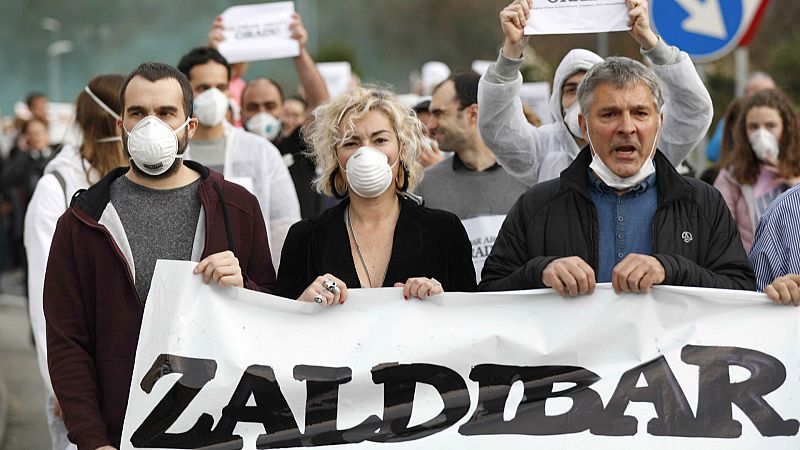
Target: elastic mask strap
(100,103)
(110,139)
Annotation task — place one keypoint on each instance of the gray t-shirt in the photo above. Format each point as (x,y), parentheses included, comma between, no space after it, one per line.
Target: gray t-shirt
(210,153)
(159,224)
(480,199)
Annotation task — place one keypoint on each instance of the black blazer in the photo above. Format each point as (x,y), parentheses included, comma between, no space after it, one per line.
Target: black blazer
(427,243)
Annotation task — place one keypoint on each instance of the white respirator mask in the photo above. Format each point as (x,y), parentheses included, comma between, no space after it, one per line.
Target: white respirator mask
(615,181)
(265,125)
(210,107)
(571,120)
(765,145)
(369,173)
(153,145)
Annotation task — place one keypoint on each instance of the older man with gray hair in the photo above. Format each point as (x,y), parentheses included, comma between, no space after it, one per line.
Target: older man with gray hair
(620,212)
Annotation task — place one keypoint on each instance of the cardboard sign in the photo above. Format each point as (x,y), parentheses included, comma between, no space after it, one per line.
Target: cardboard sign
(577,16)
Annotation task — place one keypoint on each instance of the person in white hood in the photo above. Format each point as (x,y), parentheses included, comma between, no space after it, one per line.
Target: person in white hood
(73,169)
(535,154)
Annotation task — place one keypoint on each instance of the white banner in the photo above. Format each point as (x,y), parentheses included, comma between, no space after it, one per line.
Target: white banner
(257,32)
(676,368)
(577,16)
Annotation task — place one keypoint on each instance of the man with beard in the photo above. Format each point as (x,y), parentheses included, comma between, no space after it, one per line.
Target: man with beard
(620,212)
(105,247)
(471,184)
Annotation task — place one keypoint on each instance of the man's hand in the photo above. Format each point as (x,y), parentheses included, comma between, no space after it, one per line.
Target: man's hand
(299,32)
(215,34)
(513,19)
(569,276)
(637,273)
(639,20)
(223,268)
(785,290)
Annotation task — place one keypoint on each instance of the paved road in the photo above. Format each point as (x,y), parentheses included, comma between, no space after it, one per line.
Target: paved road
(26,426)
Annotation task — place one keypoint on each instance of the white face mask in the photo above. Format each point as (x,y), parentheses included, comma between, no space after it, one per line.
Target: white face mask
(765,145)
(265,125)
(571,120)
(369,173)
(210,107)
(107,109)
(153,145)
(615,181)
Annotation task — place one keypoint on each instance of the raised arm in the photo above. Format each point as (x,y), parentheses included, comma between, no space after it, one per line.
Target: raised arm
(310,78)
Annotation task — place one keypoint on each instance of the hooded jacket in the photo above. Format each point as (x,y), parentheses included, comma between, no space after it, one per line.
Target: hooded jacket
(694,235)
(536,154)
(93,310)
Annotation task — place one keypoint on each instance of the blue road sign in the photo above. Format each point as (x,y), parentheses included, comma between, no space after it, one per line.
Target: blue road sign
(705,29)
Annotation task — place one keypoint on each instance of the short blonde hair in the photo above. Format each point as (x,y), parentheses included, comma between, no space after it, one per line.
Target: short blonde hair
(334,122)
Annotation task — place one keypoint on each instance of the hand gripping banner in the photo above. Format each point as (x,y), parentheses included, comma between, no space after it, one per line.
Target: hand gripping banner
(679,367)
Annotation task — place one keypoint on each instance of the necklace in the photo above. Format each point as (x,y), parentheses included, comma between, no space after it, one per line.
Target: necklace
(352,235)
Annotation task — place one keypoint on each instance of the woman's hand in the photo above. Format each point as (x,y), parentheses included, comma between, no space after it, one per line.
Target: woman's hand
(420,287)
(325,290)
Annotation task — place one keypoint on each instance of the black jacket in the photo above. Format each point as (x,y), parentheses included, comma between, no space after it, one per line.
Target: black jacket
(427,243)
(694,236)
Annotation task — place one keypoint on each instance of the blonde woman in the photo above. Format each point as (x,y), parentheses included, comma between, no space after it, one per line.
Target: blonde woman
(366,144)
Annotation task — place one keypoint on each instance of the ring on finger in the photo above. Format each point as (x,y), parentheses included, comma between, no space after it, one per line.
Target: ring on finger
(330,285)
(318,299)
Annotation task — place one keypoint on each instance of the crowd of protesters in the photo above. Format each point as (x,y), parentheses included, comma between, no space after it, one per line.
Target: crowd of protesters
(308,196)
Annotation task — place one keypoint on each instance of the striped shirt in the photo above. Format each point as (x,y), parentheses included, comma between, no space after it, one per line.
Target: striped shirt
(776,248)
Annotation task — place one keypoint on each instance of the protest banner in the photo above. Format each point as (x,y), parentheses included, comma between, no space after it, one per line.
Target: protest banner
(678,367)
(577,16)
(482,232)
(258,32)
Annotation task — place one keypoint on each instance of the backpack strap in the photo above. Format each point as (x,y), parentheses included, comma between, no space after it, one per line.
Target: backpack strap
(63,185)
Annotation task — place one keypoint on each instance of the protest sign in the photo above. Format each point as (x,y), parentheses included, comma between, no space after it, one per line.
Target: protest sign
(336,75)
(678,367)
(257,32)
(482,232)
(537,95)
(577,16)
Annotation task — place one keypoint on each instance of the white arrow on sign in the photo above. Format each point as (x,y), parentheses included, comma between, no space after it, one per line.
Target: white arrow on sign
(705,17)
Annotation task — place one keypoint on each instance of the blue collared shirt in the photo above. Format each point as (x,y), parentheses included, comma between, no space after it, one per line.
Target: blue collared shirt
(625,221)
(776,247)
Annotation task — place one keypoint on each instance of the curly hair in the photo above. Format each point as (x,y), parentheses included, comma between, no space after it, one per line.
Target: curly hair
(334,121)
(742,162)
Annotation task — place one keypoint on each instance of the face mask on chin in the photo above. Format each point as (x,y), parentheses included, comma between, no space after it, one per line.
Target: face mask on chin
(615,181)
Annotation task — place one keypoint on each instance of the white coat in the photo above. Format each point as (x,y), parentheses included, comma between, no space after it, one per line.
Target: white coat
(48,203)
(536,154)
(256,164)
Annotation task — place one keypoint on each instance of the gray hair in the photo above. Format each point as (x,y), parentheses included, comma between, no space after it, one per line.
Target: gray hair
(620,72)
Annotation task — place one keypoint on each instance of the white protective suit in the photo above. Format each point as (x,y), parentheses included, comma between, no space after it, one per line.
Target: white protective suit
(536,154)
(256,164)
(48,203)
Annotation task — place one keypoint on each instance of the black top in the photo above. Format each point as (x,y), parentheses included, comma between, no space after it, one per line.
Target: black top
(694,236)
(302,172)
(427,243)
